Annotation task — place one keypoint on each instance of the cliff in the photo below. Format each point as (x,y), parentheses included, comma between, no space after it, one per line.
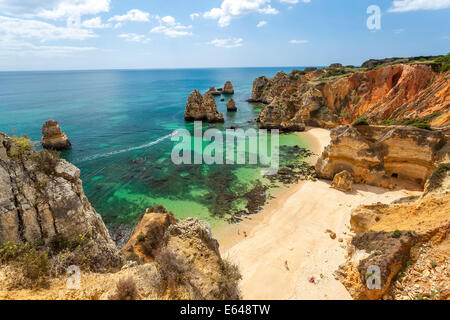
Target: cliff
(408,240)
(412,91)
(385,156)
(42,199)
(47,226)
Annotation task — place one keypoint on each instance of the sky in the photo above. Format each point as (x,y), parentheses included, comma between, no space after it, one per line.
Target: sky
(147,34)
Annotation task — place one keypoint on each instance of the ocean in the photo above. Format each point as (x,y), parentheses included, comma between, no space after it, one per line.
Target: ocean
(120,124)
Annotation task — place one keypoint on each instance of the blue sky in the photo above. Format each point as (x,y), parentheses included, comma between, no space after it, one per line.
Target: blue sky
(111,34)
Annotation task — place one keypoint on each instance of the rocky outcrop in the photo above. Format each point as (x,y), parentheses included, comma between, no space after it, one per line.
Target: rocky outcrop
(214,92)
(398,239)
(228,88)
(53,137)
(231,105)
(202,108)
(42,197)
(343,181)
(382,156)
(342,94)
(148,235)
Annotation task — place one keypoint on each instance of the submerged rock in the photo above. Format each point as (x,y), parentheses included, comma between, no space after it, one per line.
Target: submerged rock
(228,88)
(53,137)
(214,92)
(202,108)
(231,105)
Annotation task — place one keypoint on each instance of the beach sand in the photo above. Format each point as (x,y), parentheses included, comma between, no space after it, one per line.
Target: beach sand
(287,243)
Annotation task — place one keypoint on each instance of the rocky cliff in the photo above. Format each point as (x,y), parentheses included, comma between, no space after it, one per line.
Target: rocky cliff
(42,198)
(408,240)
(47,225)
(383,156)
(339,95)
(202,108)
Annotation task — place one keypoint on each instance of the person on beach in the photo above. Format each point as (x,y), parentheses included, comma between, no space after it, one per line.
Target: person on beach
(286,265)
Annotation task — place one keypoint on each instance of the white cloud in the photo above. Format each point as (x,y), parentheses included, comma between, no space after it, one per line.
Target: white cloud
(194,16)
(171,28)
(53,9)
(134,37)
(227,43)
(295,1)
(94,23)
(261,24)
(231,9)
(135,15)
(414,5)
(14,28)
(299,41)
(71,8)
(10,47)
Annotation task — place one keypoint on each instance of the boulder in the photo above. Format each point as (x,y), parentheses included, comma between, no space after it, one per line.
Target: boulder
(202,108)
(53,137)
(231,105)
(228,88)
(343,181)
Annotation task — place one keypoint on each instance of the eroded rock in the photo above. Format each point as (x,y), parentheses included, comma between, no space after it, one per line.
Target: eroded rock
(53,137)
(202,108)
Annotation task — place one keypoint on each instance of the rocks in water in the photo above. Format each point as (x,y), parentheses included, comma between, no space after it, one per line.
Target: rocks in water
(53,138)
(343,181)
(214,92)
(222,99)
(382,156)
(231,105)
(202,108)
(42,199)
(228,88)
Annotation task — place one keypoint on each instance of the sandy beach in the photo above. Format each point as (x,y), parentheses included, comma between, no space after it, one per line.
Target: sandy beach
(287,243)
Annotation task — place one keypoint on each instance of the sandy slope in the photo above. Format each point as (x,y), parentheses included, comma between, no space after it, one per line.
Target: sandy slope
(292,228)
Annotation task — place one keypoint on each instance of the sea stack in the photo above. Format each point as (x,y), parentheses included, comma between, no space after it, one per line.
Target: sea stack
(202,108)
(228,88)
(231,105)
(53,138)
(214,92)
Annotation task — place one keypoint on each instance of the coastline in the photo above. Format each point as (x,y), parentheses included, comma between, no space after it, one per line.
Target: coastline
(287,241)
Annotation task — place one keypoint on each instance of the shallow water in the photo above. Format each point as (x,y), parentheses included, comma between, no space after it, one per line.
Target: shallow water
(119,123)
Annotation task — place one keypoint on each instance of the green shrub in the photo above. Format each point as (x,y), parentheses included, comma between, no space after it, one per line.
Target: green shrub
(21,145)
(360,121)
(438,175)
(141,237)
(397,234)
(46,160)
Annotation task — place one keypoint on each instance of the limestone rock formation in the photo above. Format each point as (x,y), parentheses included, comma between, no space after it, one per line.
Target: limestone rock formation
(148,235)
(214,92)
(343,181)
(228,88)
(231,105)
(340,95)
(382,156)
(202,108)
(53,137)
(41,197)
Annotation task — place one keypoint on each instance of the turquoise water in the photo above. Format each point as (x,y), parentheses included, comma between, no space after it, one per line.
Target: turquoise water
(119,123)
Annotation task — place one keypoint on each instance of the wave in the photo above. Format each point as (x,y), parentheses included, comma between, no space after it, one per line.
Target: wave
(113,153)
